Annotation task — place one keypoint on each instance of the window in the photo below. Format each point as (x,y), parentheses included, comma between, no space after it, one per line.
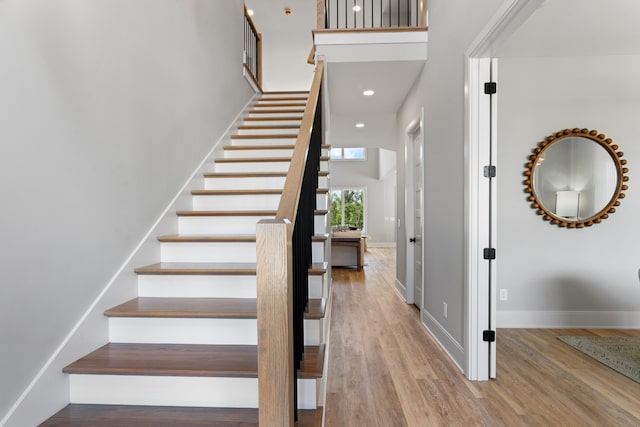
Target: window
(349,153)
(347,207)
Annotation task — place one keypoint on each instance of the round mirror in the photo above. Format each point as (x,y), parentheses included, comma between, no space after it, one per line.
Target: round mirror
(576,178)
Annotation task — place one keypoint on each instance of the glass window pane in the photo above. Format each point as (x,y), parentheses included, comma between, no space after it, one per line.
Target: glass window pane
(355,153)
(336,153)
(336,207)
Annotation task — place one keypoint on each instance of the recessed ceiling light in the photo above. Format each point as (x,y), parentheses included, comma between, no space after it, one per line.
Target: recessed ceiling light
(250,12)
(356,8)
(368,92)
(359,125)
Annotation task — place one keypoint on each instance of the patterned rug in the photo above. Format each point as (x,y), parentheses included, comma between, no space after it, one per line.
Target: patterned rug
(619,353)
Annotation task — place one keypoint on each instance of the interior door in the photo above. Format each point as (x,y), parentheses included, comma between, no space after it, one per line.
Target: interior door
(418,209)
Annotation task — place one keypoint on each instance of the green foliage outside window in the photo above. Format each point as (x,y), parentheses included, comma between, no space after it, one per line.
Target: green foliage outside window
(347,208)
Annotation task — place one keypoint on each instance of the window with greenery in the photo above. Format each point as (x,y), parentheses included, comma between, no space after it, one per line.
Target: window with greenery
(349,153)
(347,207)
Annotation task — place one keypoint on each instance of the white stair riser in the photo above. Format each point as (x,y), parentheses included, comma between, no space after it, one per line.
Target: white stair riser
(274,115)
(320,224)
(252,166)
(318,252)
(274,122)
(322,201)
(183,331)
(218,224)
(323,182)
(269,131)
(261,141)
(249,183)
(195,331)
(236,202)
(301,102)
(316,287)
(208,252)
(270,153)
(177,391)
(204,286)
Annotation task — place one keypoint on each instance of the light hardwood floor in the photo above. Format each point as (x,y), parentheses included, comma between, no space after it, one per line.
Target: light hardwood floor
(386,370)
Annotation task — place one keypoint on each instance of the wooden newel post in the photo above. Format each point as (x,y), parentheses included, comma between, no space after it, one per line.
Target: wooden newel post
(275,322)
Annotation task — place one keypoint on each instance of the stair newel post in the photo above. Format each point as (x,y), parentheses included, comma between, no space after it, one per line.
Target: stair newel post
(274,275)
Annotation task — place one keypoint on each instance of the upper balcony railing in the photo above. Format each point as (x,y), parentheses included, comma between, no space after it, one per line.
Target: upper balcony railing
(252,57)
(371,14)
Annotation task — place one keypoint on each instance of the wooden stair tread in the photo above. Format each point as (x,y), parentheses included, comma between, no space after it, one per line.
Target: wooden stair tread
(201,308)
(254,160)
(320,237)
(281,118)
(214,268)
(269,127)
(258,147)
(277,111)
(245,174)
(81,415)
(285,92)
(264,136)
(235,192)
(193,238)
(185,360)
(278,103)
(252,174)
(198,268)
(228,213)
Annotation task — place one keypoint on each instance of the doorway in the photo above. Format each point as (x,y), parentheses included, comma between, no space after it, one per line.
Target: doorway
(414,211)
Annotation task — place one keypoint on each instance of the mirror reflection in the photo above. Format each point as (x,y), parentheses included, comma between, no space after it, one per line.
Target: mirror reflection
(575,178)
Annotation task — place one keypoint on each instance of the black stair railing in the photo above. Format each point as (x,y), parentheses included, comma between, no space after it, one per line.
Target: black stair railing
(284,256)
(355,14)
(252,55)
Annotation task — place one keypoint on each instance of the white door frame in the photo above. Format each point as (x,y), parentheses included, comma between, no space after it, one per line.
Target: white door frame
(480,296)
(416,125)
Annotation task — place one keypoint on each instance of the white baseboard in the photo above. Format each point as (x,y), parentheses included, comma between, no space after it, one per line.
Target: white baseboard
(447,342)
(568,319)
(401,290)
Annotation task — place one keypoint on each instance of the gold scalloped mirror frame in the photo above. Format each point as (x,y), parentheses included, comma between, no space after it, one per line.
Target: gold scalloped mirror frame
(612,150)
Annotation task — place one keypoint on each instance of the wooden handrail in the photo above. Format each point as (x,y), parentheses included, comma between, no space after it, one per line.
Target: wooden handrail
(291,193)
(275,287)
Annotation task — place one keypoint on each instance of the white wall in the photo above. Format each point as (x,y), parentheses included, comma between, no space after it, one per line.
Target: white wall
(562,277)
(440,89)
(286,42)
(107,107)
(380,191)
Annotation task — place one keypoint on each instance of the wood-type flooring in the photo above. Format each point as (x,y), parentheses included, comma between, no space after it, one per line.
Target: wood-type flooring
(386,370)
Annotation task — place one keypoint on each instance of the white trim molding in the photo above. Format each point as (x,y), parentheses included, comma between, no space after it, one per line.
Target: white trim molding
(568,319)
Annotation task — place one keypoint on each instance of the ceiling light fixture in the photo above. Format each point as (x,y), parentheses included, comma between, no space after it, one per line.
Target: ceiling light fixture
(287,11)
(368,92)
(359,125)
(356,8)
(250,12)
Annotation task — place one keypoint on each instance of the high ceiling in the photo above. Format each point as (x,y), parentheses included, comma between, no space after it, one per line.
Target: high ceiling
(576,28)
(556,28)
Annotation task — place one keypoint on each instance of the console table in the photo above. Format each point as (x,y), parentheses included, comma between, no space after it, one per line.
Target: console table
(348,251)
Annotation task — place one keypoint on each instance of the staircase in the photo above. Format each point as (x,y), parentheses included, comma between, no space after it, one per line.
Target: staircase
(184,352)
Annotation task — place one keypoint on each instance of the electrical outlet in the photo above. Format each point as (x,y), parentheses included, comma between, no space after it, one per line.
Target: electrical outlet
(504,294)
(444,309)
